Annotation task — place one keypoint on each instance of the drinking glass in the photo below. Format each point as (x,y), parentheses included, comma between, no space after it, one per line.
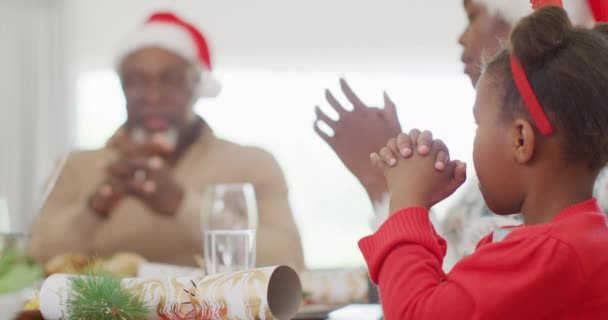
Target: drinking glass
(229,223)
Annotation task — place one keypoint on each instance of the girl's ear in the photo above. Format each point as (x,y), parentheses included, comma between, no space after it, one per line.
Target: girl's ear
(523,140)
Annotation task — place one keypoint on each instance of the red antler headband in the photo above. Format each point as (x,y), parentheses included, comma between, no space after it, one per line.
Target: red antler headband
(523,84)
(539,3)
(529,98)
(599,9)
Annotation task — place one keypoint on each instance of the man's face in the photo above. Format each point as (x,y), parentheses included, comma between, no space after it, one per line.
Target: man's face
(160,89)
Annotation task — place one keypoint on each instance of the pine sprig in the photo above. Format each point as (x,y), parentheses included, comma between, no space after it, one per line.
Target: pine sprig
(102,297)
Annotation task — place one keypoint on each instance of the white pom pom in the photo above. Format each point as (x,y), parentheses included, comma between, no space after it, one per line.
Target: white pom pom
(209,86)
(580,13)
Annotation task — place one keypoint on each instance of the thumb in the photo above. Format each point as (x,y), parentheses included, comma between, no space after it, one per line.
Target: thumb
(390,111)
(458,172)
(377,163)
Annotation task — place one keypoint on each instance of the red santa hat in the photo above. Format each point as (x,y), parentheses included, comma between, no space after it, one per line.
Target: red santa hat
(599,9)
(578,10)
(167,31)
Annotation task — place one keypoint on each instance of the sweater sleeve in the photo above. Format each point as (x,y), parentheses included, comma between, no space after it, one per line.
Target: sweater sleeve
(65,222)
(512,279)
(278,239)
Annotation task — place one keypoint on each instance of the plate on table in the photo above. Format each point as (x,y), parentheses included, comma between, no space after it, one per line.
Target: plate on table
(357,312)
(314,311)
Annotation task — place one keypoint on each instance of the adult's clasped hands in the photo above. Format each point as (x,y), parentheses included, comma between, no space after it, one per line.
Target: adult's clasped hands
(140,170)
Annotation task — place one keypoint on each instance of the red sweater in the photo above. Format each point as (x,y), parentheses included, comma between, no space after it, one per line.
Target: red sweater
(557,270)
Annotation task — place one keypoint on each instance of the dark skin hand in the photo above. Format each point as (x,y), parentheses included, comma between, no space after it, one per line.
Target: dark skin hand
(139,171)
(362,131)
(357,134)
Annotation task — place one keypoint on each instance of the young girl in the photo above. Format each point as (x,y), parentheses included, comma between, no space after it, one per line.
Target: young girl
(542,115)
(468,219)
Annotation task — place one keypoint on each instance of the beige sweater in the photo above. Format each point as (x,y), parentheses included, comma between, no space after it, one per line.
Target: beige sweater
(66,224)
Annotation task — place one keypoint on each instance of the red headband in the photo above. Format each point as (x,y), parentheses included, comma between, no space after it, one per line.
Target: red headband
(539,3)
(529,98)
(599,8)
(523,84)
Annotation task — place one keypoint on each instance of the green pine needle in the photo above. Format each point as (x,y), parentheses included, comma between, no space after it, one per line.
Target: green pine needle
(102,297)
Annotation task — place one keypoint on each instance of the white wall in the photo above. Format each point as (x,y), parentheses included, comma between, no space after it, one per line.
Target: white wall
(74,37)
(271,32)
(34,113)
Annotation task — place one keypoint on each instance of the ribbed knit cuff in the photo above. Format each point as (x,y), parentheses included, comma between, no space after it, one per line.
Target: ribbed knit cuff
(410,226)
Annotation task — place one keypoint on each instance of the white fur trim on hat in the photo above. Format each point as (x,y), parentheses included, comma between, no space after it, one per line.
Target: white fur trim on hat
(579,12)
(209,86)
(513,10)
(175,39)
(510,10)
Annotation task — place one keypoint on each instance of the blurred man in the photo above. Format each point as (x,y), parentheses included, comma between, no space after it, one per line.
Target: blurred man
(142,191)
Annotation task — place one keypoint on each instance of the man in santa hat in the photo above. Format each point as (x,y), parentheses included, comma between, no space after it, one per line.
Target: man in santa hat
(142,192)
(489,24)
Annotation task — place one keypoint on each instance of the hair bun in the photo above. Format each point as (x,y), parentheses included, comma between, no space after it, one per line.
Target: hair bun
(540,35)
